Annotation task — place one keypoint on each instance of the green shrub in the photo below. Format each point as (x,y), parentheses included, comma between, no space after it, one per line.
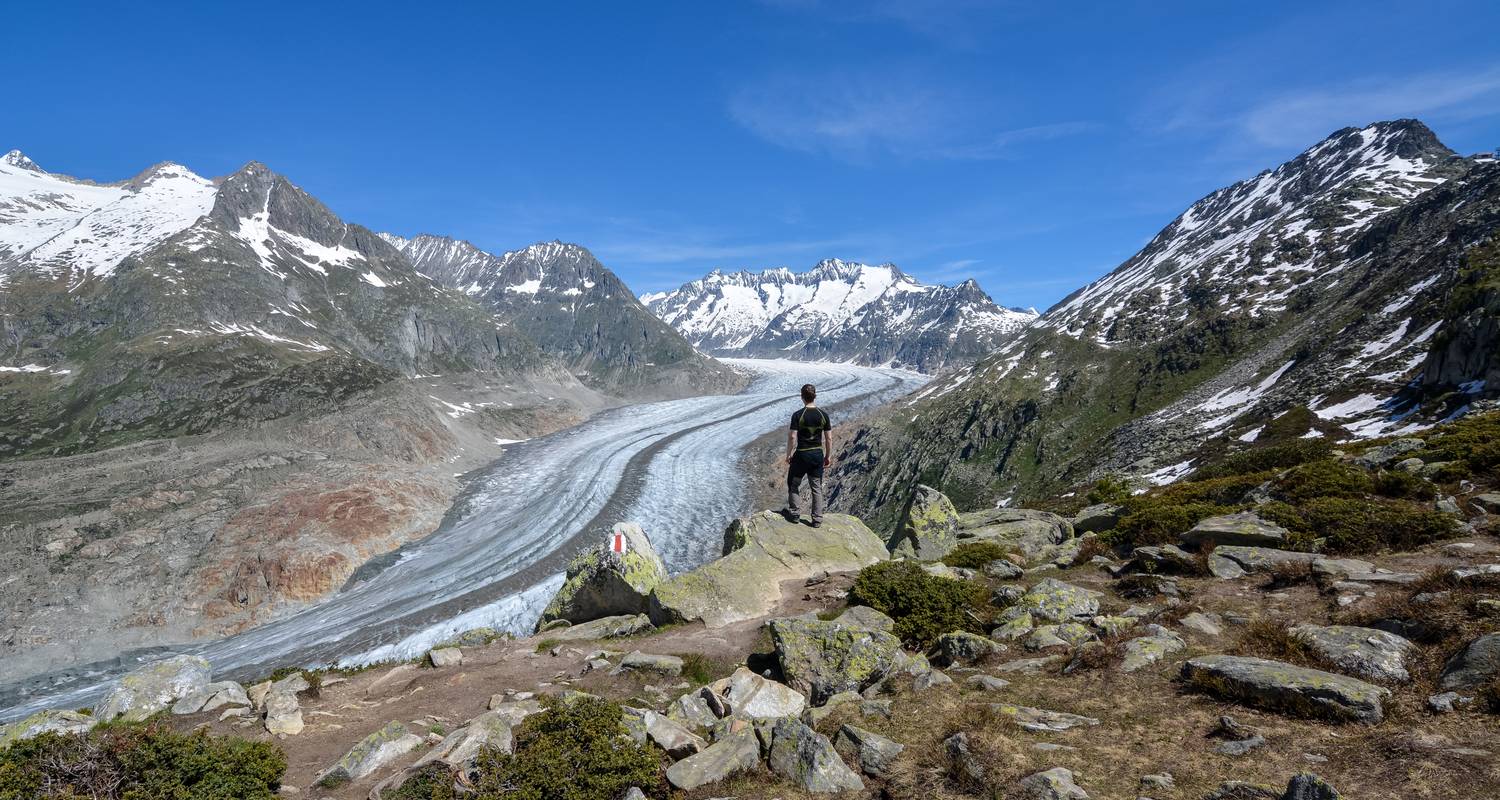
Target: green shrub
(1158,521)
(1404,485)
(1364,526)
(1326,478)
(1271,457)
(1473,440)
(1108,489)
(973,555)
(432,782)
(701,669)
(923,606)
(574,749)
(140,762)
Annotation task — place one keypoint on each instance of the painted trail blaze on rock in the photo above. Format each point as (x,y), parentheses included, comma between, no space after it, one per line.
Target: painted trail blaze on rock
(1276,686)
(612,578)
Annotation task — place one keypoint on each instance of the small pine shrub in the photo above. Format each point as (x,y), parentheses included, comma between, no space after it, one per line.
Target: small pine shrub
(923,606)
(1364,526)
(1159,521)
(974,555)
(1272,457)
(432,782)
(572,750)
(1325,478)
(140,762)
(1404,486)
(1108,489)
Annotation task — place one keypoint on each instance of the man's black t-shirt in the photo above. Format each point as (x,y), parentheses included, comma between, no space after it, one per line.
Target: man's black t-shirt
(810,423)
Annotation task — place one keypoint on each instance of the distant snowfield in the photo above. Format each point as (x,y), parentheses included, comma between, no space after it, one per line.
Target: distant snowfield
(498,557)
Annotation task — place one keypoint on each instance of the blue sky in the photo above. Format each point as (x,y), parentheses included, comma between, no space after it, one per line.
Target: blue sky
(1031,146)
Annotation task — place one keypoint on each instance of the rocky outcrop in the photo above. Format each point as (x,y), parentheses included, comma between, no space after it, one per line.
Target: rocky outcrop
(1032,535)
(929,528)
(377,750)
(760,552)
(41,722)
(735,753)
(1362,652)
(1290,689)
(153,688)
(821,659)
(1097,518)
(603,582)
(1245,529)
(808,760)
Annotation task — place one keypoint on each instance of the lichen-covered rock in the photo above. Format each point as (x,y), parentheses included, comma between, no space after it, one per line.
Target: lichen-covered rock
(866,618)
(603,583)
(806,758)
(1033,535)
(1362,652)
(1163,559)
(211,697)
(1014,628)
(821,659)
(1052,600)
(762,551)
(459,749)
(1262,559)
(1308,786)
(1382,455)
(1276,686)
(41,722)
(1243,529)
(672,737)
(962,647)
(929,529)
(1003,569)
(1474,667)
(154,687)
(637,661)
(283,714)
(1053,784)
(1097,518)
(1067,634)
(603,628)
(872,752)
(1146,650)
(737,752)
(1040,720)
(373,752)
(752,697)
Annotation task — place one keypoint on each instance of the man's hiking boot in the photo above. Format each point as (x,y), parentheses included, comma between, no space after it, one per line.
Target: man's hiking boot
(817,523)
(789,515)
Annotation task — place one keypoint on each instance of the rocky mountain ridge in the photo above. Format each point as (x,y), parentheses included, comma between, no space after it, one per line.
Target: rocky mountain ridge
(839,310)
(1329,289)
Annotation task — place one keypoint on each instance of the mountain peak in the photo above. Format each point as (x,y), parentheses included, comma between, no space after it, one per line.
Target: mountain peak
(16,158)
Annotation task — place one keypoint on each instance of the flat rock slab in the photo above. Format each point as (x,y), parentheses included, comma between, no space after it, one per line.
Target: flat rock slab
(1287,688)
(806,758)
(872,752)
(1362,652)
(373,752)
(637,661)
(1244,529)
(603,628)
(738,752)
(761,551)
(1262,559)
(1040,720)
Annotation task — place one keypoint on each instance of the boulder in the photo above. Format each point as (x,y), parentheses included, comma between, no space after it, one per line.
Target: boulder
(736,752)
(1053,784)
(283,714)
(929,528)
(1245,529)
(866,618)
(460,748)
(1308,786)
(807,759)
(961,647)
(445,657)
(212,697)
(637,661)
(1039,720)
(152,688)
(675,740)
(752,697)
(373,752)
(1386,454)
(1098,518)
(1489,502)
(1167,558)
(603,628)
(1361,652)
(821,659)
(1052,600)
(1033,535)
(49,721)
(1067,634)
(985,683)
(761,551)
(872,752)
(1483,575)
(1474,667)
(1003,570)
(603,583)
(1276,686)
(1262,559)
(1146,650)
(1210,625)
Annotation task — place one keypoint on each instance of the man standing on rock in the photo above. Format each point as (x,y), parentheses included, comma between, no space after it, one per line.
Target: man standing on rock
(809,446)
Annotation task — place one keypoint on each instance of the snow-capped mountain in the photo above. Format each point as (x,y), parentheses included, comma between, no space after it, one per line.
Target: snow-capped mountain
(1350,292)
(564,299)
(838,311)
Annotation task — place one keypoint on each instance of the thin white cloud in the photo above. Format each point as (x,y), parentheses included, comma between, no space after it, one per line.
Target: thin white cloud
(861,116)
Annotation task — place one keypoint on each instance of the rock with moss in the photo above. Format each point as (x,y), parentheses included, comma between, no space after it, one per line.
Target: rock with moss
(1276,686)
(821,659)
(601,582)
(762,551)
(1143,651)
(1382,455)
(460,749)
(1032,535)
(49,721)
(1052,600)
(1308,786)
(1053,784)
(1064,634)
(1014,628)
(929,528)
(1362,652)
(1474,667)
(1098,518)
(866,618)
(736,753)
(373,752)
(1261,559)
(962,647)
(808,760)
(602,628)
(152,688)
(1244,529)
(875,754)
(1038,720)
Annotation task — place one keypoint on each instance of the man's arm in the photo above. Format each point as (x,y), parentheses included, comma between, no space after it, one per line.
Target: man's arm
(791,444)
(827,447)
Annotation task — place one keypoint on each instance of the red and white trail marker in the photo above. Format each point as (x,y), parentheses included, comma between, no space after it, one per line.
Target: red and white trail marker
(617,543)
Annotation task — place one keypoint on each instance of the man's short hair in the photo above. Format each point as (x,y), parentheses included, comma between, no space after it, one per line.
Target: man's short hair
(809,393)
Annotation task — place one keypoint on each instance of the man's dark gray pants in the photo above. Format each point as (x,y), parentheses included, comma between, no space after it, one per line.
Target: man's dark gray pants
(794,475)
